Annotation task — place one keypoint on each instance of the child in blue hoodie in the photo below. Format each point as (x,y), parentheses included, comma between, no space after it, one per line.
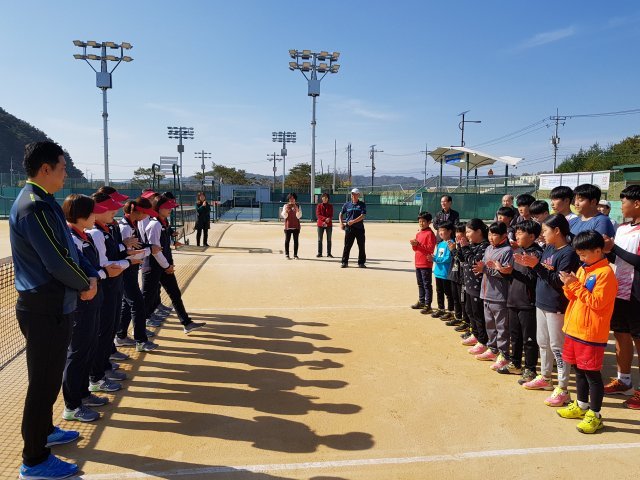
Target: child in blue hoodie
(441,267)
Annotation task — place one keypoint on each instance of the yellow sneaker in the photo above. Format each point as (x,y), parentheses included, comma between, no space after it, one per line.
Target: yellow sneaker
(590,423)
(571,411)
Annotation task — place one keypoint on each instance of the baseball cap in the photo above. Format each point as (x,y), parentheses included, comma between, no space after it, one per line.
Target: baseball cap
(109,204)
(605,203)
(355,190)
(119,197)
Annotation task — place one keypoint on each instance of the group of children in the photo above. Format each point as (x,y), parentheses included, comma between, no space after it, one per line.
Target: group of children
(112,254)
(539,285)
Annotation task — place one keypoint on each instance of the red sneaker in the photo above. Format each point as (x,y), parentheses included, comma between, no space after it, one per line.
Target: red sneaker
(617,386)
(634,402)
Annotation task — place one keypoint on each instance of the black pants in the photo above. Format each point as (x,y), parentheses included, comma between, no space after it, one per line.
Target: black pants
(205,236)
(590,387)
(351,234)
(475,310)
(151,279)
(132,307)
(81,352)
(47,338)
(443,288)
(287,239)
(522,326)
(425,288)
(457,291)
(109,319)
(321,231)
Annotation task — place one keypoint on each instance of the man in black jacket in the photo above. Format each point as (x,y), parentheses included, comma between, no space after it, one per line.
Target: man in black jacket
(49,276)
(447,214)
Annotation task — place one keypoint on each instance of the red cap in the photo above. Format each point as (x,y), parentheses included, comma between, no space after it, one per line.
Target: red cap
(99,208)
(148,194)
(110,204)
(149,211)
(119,197)
(170,204)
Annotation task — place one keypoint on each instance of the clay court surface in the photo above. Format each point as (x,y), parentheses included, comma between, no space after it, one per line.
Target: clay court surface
(309,371)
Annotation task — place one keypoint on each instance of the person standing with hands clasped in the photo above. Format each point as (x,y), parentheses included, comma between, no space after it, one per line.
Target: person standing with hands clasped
(292,213)
(423,246)
(352,222)
(591,294)
(324,213)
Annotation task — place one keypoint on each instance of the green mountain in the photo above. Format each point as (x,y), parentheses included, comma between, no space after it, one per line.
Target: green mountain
(14,135)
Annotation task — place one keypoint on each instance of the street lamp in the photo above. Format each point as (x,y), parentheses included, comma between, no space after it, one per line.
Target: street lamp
(461,127)
(310,64)
(103,79)
(284,137)
(180,133)
(203,156)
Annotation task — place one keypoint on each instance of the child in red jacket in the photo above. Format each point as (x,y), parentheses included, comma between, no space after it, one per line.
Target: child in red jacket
(423,246)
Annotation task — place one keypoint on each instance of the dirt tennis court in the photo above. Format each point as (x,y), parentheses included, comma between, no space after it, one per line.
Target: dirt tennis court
(309,371)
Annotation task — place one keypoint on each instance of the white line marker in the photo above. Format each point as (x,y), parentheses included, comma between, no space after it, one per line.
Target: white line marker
(337,308)
(276,467)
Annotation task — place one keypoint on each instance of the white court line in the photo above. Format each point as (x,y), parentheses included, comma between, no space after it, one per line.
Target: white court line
(337,308)
(277,467)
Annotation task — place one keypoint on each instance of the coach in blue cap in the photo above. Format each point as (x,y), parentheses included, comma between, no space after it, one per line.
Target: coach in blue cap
(50,275)
(352,222)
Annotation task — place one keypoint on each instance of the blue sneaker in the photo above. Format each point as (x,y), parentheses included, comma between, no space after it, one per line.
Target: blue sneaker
(51,468)
(60,436)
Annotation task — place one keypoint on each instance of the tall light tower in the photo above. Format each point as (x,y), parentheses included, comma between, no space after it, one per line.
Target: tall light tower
(461,127)
(180,133)
(103,80)
(310,65)
(203,156)
(284,138)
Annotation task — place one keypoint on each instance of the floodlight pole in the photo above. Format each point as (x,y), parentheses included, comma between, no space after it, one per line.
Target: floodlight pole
(202,155)
(284,137)
(461,127)
(103,82)
(313,84)
(180,133)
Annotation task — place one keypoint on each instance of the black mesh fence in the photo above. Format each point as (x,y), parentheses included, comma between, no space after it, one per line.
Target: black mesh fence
(12,342)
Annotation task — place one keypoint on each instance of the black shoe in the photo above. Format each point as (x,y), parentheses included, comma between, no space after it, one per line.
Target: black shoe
(465,335)
(462,327)
(418,306)
(205,245)
(454,322)
(437,313)
(287,257)
(329,255)
(296,257)
(319,255)
(343,265)
(362,265)
(426,311)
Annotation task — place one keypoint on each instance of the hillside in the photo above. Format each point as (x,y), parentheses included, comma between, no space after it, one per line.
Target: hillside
(14,135)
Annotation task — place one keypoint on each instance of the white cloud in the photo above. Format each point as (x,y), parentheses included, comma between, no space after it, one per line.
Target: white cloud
(545,38)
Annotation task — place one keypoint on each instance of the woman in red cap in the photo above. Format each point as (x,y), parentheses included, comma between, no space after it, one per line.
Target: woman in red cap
(158,268)
(133,301)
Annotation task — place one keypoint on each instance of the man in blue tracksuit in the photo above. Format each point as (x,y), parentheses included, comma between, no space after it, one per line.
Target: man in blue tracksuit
(49,276)
(352,222)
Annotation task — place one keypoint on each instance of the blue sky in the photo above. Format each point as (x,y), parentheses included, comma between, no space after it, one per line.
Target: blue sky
(407,69)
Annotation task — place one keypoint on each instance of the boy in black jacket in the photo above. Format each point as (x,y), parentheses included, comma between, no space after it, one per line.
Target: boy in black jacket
(522,306)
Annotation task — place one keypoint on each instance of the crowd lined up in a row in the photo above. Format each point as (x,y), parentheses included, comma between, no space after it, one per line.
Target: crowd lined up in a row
(77,276)
(541,285)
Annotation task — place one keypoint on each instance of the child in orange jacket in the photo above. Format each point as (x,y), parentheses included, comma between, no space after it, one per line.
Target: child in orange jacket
(591,293)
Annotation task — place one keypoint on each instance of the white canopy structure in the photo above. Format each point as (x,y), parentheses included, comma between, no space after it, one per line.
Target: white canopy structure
(468,159)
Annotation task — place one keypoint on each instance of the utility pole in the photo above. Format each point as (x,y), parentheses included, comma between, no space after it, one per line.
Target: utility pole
(275,159)
(349,162)
(461,127)
(426,157)
(335,161)
(372,156)
(555,140)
